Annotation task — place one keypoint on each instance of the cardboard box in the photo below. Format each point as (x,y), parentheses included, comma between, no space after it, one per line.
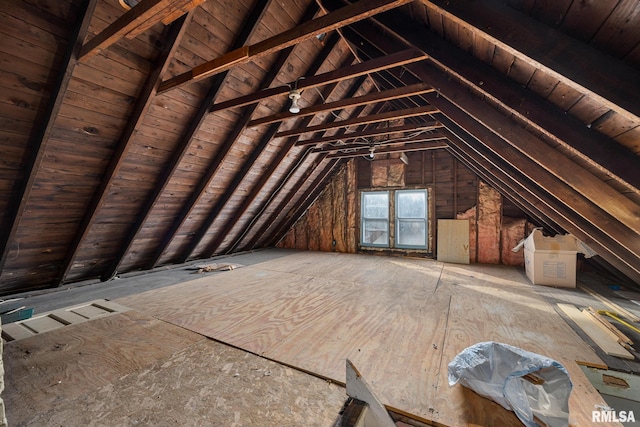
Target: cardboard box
(550,261)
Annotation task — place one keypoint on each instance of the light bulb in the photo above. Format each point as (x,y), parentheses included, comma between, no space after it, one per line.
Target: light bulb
(294,95)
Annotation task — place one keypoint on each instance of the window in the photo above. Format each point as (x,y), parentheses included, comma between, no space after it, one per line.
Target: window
(375,218)
(406,210)
(411,219)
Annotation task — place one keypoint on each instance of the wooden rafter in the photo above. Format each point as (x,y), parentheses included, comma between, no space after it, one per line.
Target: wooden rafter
(185,141)
(137,20)
(606,229)
(379,145)
(374,65)
(246,167)
(459,145)
(40,137)
(370,98)
(553,205)
(284,150)
(323,24)
(420,144)
(373,118)
(612,82)
(532,110)
(370,133)
(312,193)
(269,222)
(143,103)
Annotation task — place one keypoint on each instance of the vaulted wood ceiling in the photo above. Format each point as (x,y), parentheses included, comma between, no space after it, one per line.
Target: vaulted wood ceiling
(134,139)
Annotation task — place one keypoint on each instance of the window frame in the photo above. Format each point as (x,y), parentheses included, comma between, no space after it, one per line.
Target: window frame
(398,219)
(363,219)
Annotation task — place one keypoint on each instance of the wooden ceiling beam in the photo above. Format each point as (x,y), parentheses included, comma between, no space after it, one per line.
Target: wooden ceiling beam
(144,101)
(270,223)
(42,130)
(135,21)
(380,63)
(274,164)
(233,136)
(311,194)
(561,206)
(373,118)
(501,178)
(370,98)
(247,230)
(370,133)
(576,64)
(183,145)
(323,24)
(546,157)
(394,141)
(605,229)
(552,168)
(241,125)
(593,147)
(420,144)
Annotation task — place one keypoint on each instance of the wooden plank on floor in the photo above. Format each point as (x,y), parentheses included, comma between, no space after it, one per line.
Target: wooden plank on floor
(132,369)
(595,332)
(67,363)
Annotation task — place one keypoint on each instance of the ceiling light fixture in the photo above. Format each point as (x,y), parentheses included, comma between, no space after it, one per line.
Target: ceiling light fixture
(294,96)
(128,4)
(372,150)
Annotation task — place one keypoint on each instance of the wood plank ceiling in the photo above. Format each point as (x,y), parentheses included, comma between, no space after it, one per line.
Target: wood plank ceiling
(134,139)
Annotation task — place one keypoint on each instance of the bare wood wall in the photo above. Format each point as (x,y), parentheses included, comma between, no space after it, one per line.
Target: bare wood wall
(455,190)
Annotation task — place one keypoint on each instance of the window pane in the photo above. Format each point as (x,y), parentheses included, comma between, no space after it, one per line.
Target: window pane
(375,232)
(375,205)
(411,204)
(411,233)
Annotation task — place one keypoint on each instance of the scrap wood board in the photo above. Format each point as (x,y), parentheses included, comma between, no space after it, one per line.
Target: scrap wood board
(595,332)
(397,319)
(58,318)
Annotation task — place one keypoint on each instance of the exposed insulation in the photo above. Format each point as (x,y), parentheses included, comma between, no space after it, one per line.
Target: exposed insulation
(513,231)
(489,219)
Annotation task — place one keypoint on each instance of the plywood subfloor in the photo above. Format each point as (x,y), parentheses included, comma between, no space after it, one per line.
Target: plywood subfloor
(400,320)
(131,369)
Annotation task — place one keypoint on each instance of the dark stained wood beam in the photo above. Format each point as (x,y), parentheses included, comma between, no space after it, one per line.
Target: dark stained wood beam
(247,230)
(145,99)
(42,130)
(323,24)
(547,158)
(374,65)
(282,153)
(246,167)
(420,144)
(560,204)
(574,63)
(604,153)
(501,178)
(346,137)
(602,218)
(185,141)
(138,19)
(584,219)
(269,222)
(229,190)
(373,118)
(311,194)
(370,98)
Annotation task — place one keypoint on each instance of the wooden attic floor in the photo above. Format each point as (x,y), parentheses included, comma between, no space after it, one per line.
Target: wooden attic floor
(400,320)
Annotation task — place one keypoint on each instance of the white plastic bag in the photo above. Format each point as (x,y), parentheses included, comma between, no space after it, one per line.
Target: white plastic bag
(527,383)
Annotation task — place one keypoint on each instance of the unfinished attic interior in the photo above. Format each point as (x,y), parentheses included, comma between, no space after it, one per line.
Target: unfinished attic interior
(209,206)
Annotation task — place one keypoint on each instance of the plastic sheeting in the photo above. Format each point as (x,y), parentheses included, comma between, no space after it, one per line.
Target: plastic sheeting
(527,383)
